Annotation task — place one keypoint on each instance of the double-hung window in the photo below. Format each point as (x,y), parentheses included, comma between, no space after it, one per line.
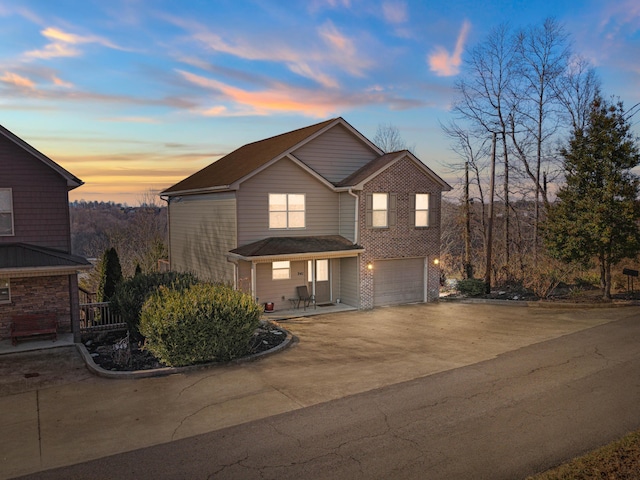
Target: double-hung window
(286,210)
(6,212)
(421,210)
(381,210)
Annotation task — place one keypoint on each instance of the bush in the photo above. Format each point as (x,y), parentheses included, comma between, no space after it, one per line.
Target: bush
(471,287)
(110,273)
(202,323)
(131,294)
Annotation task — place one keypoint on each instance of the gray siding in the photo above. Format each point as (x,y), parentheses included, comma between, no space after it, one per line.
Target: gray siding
(202,230)
(335,154)
(279,291)
(349,281)
(321,216)
(347,216)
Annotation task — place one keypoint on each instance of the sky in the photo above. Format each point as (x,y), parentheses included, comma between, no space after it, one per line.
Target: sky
(132,96)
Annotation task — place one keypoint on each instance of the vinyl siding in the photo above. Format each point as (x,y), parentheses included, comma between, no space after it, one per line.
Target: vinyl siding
(349,281)
(347,216)
(202,230)
(279,291)
(335,154)
(40,199)
(321,204)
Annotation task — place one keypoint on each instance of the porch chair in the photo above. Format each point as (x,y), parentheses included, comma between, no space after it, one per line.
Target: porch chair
(305,298)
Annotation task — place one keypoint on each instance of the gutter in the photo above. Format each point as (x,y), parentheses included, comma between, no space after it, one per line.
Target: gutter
(295,256)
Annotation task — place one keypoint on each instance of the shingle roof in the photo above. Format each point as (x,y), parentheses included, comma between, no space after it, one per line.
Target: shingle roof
(369,169)
(244,160)
(22,255)
(295,245)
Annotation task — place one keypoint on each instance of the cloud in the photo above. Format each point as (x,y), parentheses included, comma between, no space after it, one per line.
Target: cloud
(17,80)
(444,64)
(62,44)
(395,12)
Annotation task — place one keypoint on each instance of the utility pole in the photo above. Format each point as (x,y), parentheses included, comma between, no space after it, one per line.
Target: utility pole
(487,272)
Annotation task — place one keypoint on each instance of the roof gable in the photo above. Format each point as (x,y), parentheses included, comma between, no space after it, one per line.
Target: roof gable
(72,180)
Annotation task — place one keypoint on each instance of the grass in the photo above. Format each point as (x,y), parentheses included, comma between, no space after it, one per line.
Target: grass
(619,460)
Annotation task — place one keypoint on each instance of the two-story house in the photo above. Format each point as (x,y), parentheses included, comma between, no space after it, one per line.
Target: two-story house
(38,273)
(321,206)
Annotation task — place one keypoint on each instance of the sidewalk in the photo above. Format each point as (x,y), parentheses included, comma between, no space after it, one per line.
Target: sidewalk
(81,417)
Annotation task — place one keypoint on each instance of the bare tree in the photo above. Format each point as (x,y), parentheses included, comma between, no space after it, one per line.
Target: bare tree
(388,139)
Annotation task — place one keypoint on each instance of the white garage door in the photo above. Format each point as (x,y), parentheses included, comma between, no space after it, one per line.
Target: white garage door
(398,281)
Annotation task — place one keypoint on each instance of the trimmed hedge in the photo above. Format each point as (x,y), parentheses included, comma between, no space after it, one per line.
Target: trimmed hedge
(131,294)
(471,287)
(202,323)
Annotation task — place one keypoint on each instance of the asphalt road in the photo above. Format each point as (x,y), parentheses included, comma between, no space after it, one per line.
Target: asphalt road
(504,418)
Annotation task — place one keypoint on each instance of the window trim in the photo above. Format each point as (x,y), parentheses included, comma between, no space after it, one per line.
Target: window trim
(287,211)
(392,214)
(281,269)
(8,287)
(10,212)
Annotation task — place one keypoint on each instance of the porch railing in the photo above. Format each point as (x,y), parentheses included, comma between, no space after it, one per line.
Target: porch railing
(99,316)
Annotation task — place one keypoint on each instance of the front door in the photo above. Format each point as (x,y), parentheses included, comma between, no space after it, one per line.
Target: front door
(319,274)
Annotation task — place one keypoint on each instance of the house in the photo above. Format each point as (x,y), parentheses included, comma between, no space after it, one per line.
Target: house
(38,273)
(321,206)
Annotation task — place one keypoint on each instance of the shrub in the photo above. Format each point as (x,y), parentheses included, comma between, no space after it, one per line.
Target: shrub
(110,273)
(202,323)
(131,294)
(471,287)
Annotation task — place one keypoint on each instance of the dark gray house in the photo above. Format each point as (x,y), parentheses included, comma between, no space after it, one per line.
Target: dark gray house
(38,273)
(321,206)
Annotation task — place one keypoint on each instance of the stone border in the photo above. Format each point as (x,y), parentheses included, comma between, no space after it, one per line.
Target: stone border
(164,371)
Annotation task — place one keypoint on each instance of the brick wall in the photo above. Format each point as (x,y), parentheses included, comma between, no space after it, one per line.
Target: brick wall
(38,295)
(401,240)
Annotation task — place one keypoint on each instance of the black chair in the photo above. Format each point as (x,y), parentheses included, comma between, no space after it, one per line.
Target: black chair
(305,298)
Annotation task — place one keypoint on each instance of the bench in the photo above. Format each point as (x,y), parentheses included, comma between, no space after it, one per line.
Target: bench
(28,325)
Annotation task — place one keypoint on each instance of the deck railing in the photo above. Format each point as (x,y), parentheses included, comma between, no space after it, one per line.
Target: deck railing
(99,316)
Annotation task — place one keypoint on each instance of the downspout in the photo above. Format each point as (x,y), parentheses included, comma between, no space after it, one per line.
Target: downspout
(168,200)
(355,223)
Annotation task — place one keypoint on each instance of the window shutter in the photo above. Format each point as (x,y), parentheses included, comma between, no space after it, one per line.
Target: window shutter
(432,211)
(412,210)
(369,212)
(393,209)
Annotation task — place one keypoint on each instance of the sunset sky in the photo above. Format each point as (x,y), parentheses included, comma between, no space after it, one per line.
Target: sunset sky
(134,95)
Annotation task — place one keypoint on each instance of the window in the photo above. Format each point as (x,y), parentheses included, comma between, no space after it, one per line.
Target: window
(6,212)
(381,210)
(281,270)
(5,292)
(286,210)
(422,210)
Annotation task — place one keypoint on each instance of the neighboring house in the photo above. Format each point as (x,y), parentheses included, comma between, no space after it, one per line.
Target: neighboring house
(38,274)
(321,206)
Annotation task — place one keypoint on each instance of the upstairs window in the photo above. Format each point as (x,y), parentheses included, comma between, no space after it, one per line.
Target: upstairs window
(381,210)
(421,212)
(6,212)
(286,210)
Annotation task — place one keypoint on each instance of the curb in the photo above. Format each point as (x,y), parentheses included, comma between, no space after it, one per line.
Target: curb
(543,303)
(164,371)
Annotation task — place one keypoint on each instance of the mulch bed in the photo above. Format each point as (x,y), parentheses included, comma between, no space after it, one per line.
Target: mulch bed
(101,347)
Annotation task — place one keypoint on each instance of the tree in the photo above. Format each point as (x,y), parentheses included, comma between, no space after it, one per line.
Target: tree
(597,212)
(388,139)
(110,273)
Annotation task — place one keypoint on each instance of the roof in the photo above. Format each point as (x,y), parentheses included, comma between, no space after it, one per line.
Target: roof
(375,166)
(72,180)
(243,161)
(22,258)
(288,246)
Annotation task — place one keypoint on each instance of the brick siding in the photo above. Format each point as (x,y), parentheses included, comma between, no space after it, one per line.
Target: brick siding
(401,240)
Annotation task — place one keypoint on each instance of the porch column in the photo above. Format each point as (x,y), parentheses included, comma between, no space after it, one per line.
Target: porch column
(253,281)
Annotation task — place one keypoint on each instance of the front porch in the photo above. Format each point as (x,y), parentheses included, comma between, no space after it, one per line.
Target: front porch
(322,309)
(36,343)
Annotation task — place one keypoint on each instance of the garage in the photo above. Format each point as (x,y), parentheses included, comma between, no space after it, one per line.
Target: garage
(398,281)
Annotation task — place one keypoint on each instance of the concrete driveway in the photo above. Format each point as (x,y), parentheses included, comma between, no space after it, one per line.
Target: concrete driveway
(79,417)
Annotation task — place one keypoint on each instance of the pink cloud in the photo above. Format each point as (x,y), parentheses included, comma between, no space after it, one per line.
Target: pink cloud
(445,64)
(17,80)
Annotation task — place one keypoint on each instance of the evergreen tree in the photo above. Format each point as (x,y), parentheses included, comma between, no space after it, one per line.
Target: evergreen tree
(110,274)
(596,213)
